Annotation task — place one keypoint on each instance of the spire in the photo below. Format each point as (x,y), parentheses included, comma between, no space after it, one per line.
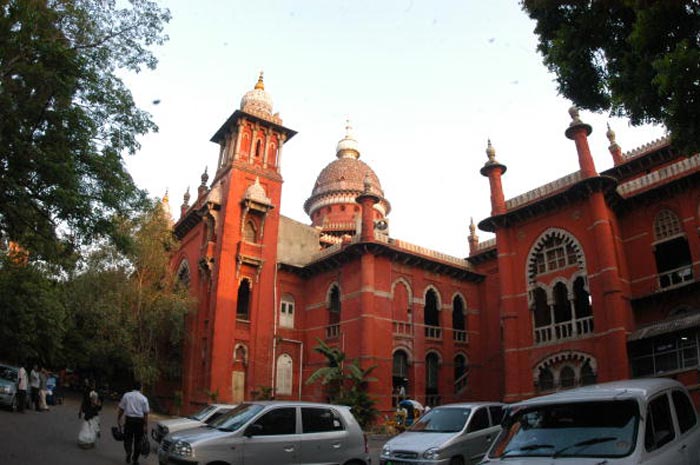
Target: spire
(165,205)
(578,131)
(473,238)
(614,149)
(493,170)
(260,84)
(185,202)
(202,189)
(347,146)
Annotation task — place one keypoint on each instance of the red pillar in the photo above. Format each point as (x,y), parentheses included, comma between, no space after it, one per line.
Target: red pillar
(579,131)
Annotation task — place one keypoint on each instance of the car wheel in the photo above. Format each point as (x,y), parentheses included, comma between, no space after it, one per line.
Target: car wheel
(456,461)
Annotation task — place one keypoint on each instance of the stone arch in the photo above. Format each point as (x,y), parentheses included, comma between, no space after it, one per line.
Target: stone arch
(184,275)
(240,353)
(250,231)
(459,312)
(401,311)
(431,287)
(243,299)
(284,376)
(667,224)
(334,303)
(539,245)
(572,358)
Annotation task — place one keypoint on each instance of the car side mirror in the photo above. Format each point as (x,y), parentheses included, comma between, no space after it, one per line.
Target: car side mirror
(253,430)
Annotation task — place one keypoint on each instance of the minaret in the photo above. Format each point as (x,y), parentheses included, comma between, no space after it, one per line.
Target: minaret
(473,238)
(367,199)
(185,203)
(494,170)
(614,149)
(578,131)
(202,190)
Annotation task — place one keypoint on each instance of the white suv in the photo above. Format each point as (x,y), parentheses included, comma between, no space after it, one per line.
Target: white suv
(632,422)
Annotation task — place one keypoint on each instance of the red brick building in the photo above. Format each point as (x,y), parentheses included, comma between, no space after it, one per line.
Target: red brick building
(591,277)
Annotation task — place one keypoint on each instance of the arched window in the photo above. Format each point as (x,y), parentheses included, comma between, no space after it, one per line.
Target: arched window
(400,305)
(587,374)
(258,148)
(546,380)
(567,377)
(334,306)
(287,312)
(432,373)
(674,264)
(458,321)
(249,232)
(243,304)
(284,374)
(399,371)
(431,315)
(183,275)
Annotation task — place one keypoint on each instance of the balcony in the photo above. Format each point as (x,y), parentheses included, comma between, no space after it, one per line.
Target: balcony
(460,336)
(402,328)
(332,331)
(564,330)
(433,333)
(675,277)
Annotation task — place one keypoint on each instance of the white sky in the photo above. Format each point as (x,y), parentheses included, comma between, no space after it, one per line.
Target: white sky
(425,84)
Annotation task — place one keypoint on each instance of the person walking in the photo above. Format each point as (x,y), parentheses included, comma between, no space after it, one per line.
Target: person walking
(35,385)
(43,388)
(22,384)
(134,406)
(89,410)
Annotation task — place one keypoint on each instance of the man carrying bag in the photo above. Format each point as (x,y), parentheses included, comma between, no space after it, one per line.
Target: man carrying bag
(134,406)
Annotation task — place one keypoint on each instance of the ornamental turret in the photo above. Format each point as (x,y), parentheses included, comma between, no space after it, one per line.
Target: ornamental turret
(614,149)
(578,131)
(494,170)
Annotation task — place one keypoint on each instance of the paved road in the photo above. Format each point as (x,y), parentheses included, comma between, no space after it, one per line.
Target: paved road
(50,438)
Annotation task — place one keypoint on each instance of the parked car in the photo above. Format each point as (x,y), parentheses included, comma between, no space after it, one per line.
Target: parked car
(8,386)
(640,422)
(270,432)
(205,416)
(454,434)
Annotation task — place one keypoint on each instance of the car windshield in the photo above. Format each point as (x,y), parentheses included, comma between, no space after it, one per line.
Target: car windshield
(237,417)
(583,429)
(442,420)
(202,414)
(8,373)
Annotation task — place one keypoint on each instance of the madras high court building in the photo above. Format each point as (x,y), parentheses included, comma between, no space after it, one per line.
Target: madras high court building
(590,278)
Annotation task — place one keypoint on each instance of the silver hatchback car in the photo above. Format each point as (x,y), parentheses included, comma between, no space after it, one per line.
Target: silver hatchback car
(632,422)
(270,432)
(452,434)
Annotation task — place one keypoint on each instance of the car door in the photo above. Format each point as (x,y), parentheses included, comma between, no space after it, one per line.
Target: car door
(479,435)
(660,436)
(324,437)
(272,438)
(688,428)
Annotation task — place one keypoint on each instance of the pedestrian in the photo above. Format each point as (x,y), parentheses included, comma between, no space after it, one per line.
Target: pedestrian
(43,388)
(22,384)
(90,427)
(134,406)
(35,385)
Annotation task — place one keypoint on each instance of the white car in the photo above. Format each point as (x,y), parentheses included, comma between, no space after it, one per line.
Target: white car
(452,434)
(201,418)
(632,422)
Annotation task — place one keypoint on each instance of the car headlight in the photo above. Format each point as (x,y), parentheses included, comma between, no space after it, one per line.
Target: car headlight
(432,454)
(182,448)
(5,389)
(386,451)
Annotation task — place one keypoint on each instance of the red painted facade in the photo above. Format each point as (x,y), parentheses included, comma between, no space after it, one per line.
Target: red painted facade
(592,277)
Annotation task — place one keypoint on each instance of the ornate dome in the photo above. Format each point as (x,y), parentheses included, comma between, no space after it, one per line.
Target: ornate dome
(257,101)
(344,179)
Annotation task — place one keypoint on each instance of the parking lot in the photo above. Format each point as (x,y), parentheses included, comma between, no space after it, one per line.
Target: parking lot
(37,438)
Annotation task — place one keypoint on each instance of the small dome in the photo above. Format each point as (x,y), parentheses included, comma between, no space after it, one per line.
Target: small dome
(347,146)
(256,192)
(257,101)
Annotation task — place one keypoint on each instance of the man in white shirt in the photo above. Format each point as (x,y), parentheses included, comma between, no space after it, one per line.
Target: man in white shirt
(133,406)
(22,384)
(35,384)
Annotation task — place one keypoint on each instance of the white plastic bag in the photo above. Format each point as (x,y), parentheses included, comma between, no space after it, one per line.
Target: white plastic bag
(88,433)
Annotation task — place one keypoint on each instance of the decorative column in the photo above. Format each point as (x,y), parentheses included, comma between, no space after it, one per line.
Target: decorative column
(367,199)
(473,238)
(614,149)
(494,170)
(578,131)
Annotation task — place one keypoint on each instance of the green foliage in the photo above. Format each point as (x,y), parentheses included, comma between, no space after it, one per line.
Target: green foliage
(346,384)
(32,315)
(264,393)
(130,304)
(66,118)
(631,58)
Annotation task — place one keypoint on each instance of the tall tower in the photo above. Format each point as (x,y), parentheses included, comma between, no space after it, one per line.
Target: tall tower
(241,304)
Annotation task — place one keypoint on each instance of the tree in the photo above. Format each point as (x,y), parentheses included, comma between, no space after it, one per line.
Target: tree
(632,58)
(346,384)
(66,119)
(32,315)
(131,304)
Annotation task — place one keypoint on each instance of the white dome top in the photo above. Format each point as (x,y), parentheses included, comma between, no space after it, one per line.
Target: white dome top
(257,101)
(347,146)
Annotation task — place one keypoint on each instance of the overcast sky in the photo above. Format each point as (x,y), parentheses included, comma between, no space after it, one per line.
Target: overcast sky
(424,83)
